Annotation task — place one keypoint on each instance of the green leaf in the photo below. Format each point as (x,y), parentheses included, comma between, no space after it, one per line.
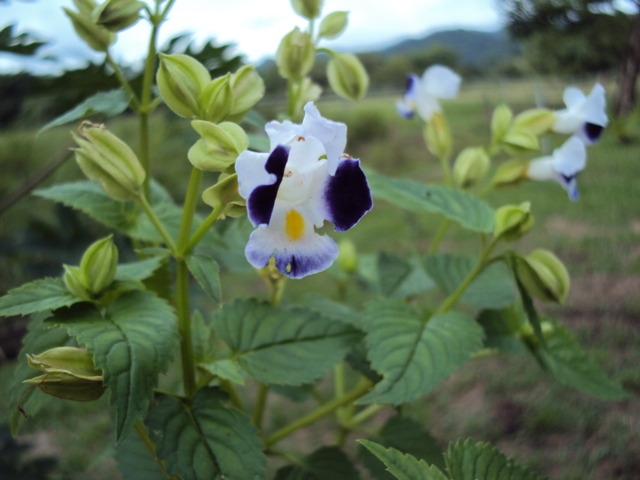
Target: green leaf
(225,368)
(413,354)
(203,439)
(405,435)
(570,365)
(332,310)
(281,345)
(493,288)
(139,270)
(401,466)
(132,342)
(500,329)
(40,338)
(207,272)
(135,462)
(399,277)
(230,253)
(467,210)
(110,103)
(203,339)
(467,460)
(326,463)
(39,296)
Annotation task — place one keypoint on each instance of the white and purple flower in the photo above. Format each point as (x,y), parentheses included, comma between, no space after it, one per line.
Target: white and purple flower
(563,166)
(585,114)
(422,94)
(305,180)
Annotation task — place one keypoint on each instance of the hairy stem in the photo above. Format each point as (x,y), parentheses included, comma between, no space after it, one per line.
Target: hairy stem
(184,325)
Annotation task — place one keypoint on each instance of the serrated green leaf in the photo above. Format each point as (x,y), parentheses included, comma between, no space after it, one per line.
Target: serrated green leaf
(206,271)
(467,210)
(570,365)
(399,277)
(203,339)
(407,436)
(493,288)
(500,329)
(403,466)
(203,439)
(467,460)
(326,463)
(135,462)
(282,345)
(230,252)
(40,338)
(225,368)
(110,103)
(139,270)
(39,296)
(332,310)
(298,393)
(413,354)
(132,342)
(357,359)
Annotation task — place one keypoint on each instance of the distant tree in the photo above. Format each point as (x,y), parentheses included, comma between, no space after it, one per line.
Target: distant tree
(577,36)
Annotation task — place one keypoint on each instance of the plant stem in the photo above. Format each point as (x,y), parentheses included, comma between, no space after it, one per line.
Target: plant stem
(157,223)
(442,231)
(261,402)
(233,395)
(124,83)
(448,179)
(144,436)
(320,412)
(204,227)
(366,413)
(184,325)
(189,209)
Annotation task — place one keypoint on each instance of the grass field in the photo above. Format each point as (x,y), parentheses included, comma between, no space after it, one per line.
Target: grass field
(507,400)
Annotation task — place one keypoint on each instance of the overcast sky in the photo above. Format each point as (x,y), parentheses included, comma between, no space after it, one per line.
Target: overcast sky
(255,26)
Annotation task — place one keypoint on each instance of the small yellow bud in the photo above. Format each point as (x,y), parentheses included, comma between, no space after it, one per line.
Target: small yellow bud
(308,9)
(470,167)
(248,88)
(75,282)
(512,221)
(295,55)
(536,121)
(518,141)
(216,100)
(224,192)
(544,276)
(347,76)
(438,136)
(181,80)
(347,257)
(510,173)
(97,37)
(117,15)
(500,122)
(219,145)
(98,265)
(333,24)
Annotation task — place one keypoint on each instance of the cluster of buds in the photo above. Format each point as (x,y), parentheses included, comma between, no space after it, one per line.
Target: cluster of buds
(96,271)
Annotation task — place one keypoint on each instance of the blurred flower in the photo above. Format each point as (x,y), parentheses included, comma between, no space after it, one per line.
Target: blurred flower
(562,167)
(584,116)
(305,179)
(422,94)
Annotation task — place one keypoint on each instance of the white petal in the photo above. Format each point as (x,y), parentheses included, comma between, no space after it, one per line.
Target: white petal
(573,97)
(567,122)
(595,105)
(304,174)
(282,133)
(441,82)
(250,167)
(427,105)
(570,158)
(333,135)
(542,169)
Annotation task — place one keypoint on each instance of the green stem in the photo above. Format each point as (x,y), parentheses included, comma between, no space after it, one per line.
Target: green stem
(124,83)
(448,178)
(365,414)
(261,403)
(157,223)
(189,209)
(233,394)
(320,412)
(203,228)
(144,152)
(144,436)
(442,231)
(184,325)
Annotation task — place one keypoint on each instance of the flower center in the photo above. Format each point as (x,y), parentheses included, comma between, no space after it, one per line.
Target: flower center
(294,225)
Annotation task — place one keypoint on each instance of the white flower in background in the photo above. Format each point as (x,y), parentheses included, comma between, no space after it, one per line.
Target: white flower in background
(422,94)
(562,166)
(305,180)
(585,114)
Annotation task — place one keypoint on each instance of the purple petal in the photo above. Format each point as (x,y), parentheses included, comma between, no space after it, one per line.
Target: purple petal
(570,184)
(347,195)
(262,199)
(592,131)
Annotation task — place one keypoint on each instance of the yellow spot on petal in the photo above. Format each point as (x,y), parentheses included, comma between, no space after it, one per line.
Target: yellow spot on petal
(294,225)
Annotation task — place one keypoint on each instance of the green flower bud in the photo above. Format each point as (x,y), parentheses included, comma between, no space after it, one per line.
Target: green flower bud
(219,145)
(536,121)
(308,9)
(97,37)
(438,136)
(69,373)
(295,55)
(248,88)
(347,257)
(116,15)
(225,192)
(309,92)
(98,265)
(512,221)
(75,282)
(181,80)
(216,100)
(510,173)
(500,122)
(85,7)
(470,167)
(105,158)
(544,276)
(347,77)
(333,24)
(518,141)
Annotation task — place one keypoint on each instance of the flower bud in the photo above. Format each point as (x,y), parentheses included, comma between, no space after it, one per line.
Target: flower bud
(219,145)
(181,80)
(500,122)
(544,276)
(116,15)
(347,257)
(309,92)
(510,173)
(518,141)
(98,265)
(69,373)
(216,100)
(75,282)
(438,136)
(347,77)
(308,9)
(105,158)
(248,88)
(536,121)
(97,37)
(512,221)
(333,24)
(85,7)
(295,55)
(470,167)
(224,192)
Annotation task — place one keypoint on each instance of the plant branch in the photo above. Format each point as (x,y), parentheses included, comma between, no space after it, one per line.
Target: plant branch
(189,209)
(184,325)
(203,228)
(157,223)
(142,432)
(442,231)
(261,403)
